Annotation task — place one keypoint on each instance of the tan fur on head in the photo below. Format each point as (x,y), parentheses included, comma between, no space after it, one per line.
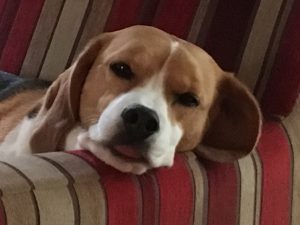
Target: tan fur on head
(227,112)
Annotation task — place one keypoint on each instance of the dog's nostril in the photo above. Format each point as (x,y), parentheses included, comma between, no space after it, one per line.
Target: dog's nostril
(151,125)
(131,117)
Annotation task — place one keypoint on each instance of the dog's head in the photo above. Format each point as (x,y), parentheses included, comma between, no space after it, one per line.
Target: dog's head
(144,94)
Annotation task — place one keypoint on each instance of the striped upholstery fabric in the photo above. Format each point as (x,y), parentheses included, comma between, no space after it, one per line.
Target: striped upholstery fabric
(40,38)
(283,89)
(259,40)
(70,188)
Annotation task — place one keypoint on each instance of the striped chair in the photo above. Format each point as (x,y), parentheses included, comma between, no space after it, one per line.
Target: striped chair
(258,40)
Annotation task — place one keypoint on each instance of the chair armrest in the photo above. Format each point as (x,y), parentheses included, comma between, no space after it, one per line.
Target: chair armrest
(75,187)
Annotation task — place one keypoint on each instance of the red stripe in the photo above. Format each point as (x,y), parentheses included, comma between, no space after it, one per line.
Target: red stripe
(275,156)
(2,211)
(228,30)
(7,20)
(148,11)
(222,193)
(284,86)
(124,13)
(150,193)
(20,35)
(176,193)
(2,6)
(121,191)
(176,16)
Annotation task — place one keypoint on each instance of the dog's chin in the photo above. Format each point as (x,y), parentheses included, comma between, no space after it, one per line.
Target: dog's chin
(122,158)
(124,162)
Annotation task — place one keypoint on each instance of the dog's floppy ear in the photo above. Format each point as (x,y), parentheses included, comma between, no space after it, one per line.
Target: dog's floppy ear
(58,111)
(234,122)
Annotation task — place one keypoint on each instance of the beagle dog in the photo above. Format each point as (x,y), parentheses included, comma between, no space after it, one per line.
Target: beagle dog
(134,97)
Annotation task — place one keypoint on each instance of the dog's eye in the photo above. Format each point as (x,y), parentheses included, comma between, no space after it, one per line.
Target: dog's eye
(122,70)
(187,99)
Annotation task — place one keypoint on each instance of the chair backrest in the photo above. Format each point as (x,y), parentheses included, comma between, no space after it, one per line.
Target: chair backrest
(258,40)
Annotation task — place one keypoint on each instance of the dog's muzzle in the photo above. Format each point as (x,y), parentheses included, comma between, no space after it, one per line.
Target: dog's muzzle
(135,132)
(139,122)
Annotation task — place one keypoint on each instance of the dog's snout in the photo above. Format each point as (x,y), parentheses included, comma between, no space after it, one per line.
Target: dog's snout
(140,122)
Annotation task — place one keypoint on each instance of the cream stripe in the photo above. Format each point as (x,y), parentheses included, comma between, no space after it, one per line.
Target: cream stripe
(258,176)
(11,181)
(19,209)
(247,191)
(92,203)
(206,24)
(71,189)
(90,194)
(199,189)
(95,23)
(51,191)
(258,42)
(63,39)
(41,38)
(292,126)
(55,206)
(16,197)
(270,57)
(198,20)
(36,170)
(75,166)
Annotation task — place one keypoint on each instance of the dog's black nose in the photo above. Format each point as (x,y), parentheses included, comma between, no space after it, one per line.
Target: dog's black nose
(140,122)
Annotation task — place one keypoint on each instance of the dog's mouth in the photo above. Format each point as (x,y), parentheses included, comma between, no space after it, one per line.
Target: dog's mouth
(128,153)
